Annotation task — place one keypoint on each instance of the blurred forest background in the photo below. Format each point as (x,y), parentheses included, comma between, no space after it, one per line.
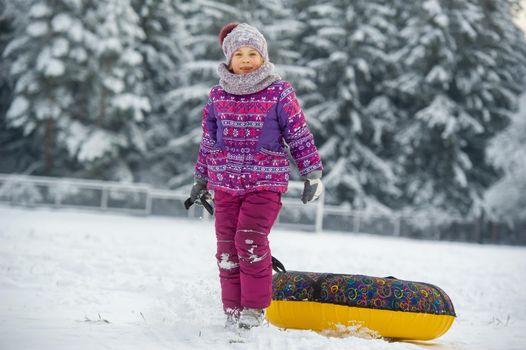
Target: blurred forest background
(415,105)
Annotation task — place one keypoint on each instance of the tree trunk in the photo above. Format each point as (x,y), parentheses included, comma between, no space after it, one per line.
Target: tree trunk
(49,139)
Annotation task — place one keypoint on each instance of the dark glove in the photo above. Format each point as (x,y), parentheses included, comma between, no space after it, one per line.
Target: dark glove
(198,189)
(200,195)
(312,190)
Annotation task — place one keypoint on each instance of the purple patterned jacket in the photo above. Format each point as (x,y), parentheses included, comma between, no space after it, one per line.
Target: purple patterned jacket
(243,145)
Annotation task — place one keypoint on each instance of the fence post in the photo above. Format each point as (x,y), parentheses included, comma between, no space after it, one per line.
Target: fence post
(11,194)
(104,198)
(319,213)
(57,196)
(356,221)
(436,231)
(397,219)
(148,204)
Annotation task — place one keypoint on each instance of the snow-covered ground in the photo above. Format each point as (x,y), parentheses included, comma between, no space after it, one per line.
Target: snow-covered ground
(74,280)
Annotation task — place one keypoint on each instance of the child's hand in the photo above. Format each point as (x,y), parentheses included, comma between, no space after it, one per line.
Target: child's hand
(312,190)
(198,189)
(200,195)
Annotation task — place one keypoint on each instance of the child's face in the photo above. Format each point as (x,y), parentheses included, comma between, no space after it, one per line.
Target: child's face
(245,60)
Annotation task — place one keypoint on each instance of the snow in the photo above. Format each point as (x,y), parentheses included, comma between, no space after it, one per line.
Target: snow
(136,103)
(507,195)
(363,66)
(50,66)
(76,31)
(79,54)
(45,109)
(61,23)
(439,112)
(37,29)
(97,144)
(438,75)
(323,10)
(433,7)
(81,280)
(109,46)
(113,84)
(225,263)
(132,57)
(54,68)
(76,133)
(18,107)
(460,176)
(14,45)
(331,32)
(39,10)
(60,47)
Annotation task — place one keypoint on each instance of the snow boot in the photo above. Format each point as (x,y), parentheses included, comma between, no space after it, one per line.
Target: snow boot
(251,318)
(232,319)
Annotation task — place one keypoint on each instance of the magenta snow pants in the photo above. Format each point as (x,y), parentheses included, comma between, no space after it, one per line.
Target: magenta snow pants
(242,225)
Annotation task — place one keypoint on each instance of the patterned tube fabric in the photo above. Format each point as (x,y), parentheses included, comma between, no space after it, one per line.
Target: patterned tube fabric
(362,291)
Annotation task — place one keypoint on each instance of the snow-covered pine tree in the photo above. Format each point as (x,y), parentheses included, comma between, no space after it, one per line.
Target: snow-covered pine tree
(178,132)
(508,151)
(7,29)
(347,45)
(506,67)
(459,86)
(163,50)
(278,22)
(43,61)
(109,140)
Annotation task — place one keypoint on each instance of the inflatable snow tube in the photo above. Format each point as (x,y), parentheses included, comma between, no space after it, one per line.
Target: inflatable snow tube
(389,307)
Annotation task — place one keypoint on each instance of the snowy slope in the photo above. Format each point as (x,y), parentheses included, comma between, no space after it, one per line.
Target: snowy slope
(63,274)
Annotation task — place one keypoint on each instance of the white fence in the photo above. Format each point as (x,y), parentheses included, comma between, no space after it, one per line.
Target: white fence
(142,199)
(136,198)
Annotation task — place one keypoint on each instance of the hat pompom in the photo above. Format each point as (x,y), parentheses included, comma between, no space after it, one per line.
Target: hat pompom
(227,28)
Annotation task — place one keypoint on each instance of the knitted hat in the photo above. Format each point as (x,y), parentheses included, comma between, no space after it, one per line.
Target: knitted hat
(233,36)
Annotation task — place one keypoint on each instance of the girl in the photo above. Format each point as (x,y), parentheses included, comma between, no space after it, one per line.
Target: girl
(249,119)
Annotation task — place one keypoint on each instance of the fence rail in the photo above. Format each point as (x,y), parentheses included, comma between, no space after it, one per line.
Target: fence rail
(142,199)
(136,198)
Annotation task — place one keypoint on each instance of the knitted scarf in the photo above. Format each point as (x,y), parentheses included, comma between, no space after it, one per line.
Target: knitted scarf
(244,84)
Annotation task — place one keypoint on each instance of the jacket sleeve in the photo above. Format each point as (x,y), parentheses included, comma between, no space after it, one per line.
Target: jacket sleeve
(297,134)
(208,141)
